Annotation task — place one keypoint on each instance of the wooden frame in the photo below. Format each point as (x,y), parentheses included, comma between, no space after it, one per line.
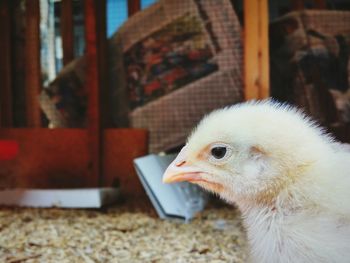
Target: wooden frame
(256,50)
(6,65)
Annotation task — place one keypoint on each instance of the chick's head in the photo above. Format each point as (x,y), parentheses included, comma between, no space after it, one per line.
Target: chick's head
(250,151)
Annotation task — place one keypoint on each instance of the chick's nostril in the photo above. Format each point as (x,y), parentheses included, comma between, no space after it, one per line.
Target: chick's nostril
(180,163)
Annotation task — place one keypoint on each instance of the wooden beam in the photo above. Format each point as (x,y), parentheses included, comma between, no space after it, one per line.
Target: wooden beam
(133,7)
(6,116)
(67,30)
(32,63)
(92,82)
(60,158)
(256,49)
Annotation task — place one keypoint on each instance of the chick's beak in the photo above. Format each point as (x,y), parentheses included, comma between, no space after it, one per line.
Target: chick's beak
(181,170)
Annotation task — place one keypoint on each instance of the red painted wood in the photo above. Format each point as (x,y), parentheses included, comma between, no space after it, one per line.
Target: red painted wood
(92,82)
(48,158)
(59,158)
(8,149)
(121,147)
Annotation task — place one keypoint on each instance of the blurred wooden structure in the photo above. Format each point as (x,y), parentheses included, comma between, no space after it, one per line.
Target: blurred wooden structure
(63,158)
(95,156)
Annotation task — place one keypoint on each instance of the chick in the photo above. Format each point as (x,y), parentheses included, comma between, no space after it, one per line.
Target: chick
(289,178)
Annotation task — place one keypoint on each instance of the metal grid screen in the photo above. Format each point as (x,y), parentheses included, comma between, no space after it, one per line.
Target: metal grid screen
(310,63)
(180,60)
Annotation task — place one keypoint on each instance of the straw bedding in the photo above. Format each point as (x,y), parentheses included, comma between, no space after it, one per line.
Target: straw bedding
(119,235)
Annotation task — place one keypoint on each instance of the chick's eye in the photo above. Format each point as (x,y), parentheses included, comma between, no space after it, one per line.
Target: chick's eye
(219,152)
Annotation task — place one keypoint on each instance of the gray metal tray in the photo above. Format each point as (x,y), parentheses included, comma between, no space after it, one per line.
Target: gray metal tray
(180,200)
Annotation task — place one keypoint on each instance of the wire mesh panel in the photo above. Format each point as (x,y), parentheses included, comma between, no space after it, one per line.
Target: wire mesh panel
(310,63)
(180,60)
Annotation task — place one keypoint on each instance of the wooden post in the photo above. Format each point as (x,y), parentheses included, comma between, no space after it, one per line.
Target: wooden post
(106,119)
(32,63)
(92,82)
(297,5)
(256,49)
(133,7)
(67,31)
(5,65)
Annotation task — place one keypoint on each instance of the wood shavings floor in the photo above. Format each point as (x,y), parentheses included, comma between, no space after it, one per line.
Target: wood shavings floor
(116,235)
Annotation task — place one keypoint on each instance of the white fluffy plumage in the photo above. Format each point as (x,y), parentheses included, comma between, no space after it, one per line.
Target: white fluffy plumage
(289,178)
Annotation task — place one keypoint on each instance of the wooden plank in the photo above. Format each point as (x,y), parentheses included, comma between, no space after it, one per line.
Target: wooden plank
(92,82)
(256,56)
(6,116)
(67,30)
(121,146)
(60,158)
(47,158)
(133,7)
(32,63)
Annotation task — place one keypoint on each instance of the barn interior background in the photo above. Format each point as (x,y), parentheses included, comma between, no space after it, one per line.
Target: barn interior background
(87,86)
